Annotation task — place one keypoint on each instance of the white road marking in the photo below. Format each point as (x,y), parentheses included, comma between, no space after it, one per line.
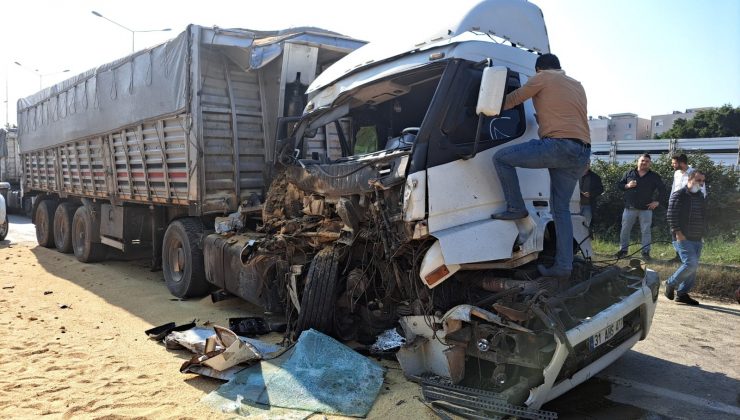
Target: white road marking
(675,395)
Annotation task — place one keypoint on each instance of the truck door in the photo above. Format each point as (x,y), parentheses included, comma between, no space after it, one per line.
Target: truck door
(464,190)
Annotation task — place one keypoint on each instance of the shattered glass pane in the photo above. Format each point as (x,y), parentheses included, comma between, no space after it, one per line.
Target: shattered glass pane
(319,374)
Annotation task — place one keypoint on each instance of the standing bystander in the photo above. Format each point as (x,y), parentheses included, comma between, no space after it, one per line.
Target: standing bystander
(640,186)
(591,188)
(680,164)
(687,219)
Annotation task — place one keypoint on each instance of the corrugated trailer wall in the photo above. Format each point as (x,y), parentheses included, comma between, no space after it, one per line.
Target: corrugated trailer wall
(232,118)
(145,162)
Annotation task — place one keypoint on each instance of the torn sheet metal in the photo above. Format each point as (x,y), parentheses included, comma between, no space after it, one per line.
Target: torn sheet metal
(425,350)
(194,340)
(203,370)
(466,312)
(228,351)
(318,374)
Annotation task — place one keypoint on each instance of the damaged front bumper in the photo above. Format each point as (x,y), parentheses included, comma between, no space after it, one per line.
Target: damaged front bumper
(547,365)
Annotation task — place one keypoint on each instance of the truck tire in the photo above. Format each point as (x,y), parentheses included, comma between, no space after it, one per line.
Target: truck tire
(44,221)
(4,225)
(320,294)
(182,259)
(63,227)
(84,248)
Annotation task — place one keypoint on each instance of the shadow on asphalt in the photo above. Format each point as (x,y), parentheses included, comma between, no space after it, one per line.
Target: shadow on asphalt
(591,399)
(728,311)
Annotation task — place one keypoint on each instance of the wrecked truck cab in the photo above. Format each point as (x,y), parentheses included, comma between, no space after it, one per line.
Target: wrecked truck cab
(379,218)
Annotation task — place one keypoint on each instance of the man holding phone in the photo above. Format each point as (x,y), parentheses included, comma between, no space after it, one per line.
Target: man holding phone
(640,186)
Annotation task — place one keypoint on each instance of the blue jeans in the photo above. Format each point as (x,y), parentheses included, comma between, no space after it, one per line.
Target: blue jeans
(684,277)
(587,214)
(629,217)
(566,160)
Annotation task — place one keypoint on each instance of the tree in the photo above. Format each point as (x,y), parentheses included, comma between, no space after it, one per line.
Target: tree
(719,122)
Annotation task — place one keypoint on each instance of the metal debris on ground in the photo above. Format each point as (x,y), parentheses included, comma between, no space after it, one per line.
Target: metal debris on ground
(476,402)
(160,332)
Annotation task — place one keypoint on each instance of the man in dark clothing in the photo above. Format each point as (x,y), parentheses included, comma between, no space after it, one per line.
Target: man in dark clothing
(686,217)
(639,186)
(591,189)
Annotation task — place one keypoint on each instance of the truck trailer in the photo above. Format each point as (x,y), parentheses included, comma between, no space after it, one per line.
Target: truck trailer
(147,150)
(10,169)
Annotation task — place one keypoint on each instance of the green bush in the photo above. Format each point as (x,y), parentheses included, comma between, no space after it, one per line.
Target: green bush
(723,198)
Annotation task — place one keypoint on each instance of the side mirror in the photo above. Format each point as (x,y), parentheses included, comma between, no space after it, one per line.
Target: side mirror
(491,93)
(490,99)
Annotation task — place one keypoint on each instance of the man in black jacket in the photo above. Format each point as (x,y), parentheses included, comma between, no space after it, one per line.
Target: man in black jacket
(687,220)
(639,186)
(591,188)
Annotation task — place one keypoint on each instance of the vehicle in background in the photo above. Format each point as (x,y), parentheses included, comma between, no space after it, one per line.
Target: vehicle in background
(380,216)
(4,225)
(147,150)
(10,170)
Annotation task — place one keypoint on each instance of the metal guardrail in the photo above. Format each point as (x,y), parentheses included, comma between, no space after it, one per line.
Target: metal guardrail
(721,150)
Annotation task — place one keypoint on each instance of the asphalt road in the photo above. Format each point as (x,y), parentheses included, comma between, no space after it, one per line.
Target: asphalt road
(687,368)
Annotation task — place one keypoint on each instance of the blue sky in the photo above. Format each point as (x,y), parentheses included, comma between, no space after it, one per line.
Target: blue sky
(648,57)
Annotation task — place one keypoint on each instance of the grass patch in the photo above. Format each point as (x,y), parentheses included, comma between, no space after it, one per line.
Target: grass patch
(715,251)
(719,270)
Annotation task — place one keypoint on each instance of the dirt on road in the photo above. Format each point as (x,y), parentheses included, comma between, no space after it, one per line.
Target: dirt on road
(74,347)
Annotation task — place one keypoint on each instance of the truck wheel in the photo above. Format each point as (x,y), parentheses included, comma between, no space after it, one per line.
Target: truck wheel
(84,248)
(63,227)
(320,294)
(44,223)
(182,259)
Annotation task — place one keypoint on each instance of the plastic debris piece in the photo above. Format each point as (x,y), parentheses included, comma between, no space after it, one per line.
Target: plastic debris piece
(249,326)
(160,332)
(388,340)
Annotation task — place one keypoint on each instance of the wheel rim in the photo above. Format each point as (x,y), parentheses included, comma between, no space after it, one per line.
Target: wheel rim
(42,226)
(59,230)
(176,261)
(79,237)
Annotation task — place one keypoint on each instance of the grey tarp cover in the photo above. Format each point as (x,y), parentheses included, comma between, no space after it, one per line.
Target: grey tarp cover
(319,374)
(148,84)
(142,86)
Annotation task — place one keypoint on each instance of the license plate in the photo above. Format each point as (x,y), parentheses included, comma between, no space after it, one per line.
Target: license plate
(607,333)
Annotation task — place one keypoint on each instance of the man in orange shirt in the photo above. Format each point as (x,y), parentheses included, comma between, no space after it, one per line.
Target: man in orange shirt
(564,148)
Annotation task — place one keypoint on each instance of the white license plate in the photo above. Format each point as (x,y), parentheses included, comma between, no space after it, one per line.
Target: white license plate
(607,333)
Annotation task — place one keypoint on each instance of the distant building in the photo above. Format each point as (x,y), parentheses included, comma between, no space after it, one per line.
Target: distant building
(659,124)
(628,126)
(599,128)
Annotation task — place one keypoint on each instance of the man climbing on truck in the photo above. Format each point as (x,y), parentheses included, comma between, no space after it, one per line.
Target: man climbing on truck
(564,148)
